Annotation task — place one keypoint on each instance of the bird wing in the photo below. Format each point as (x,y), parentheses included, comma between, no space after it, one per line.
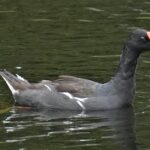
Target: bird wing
(76,86)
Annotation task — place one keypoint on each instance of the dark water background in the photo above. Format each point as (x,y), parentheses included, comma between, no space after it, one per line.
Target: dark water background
(40,39)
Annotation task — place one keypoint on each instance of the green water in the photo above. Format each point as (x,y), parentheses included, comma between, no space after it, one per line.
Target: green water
(41,39)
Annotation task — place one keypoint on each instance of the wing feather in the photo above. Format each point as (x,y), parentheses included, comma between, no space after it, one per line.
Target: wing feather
(76,86)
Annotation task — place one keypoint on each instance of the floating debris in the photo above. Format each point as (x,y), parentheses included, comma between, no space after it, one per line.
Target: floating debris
(18,67)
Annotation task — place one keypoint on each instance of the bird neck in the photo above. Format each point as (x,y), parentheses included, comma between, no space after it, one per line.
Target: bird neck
(127,65)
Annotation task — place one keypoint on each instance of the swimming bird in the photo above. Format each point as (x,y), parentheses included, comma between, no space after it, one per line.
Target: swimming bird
(73,93)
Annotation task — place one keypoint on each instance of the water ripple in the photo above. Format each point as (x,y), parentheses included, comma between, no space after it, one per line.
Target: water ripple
(67,129)
(7,11)
(85,20)
(94,9)
(41,20)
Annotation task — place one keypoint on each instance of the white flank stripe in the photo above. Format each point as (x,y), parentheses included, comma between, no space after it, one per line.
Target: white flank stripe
(80,104)
(14,91)
(21,78)
(67,94)
(81,99)
(48,87)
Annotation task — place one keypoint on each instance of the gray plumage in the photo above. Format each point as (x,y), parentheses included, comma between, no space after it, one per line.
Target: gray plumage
(72,93)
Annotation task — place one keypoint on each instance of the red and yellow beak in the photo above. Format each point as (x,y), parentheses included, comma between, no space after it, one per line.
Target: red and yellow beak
(148,35)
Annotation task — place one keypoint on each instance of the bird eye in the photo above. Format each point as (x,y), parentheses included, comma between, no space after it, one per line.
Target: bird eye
(143,38)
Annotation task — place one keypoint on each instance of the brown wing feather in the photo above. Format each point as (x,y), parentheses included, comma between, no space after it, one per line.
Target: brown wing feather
(76,86)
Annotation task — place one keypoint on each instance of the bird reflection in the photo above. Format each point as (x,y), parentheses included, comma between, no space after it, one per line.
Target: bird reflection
(120,122)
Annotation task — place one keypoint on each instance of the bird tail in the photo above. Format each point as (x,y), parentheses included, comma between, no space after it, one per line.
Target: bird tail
(15,83)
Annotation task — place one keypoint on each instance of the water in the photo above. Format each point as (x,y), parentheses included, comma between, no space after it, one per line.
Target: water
(42,39)
(69,130)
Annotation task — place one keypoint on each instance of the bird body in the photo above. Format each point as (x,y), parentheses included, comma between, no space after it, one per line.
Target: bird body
(72,93)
